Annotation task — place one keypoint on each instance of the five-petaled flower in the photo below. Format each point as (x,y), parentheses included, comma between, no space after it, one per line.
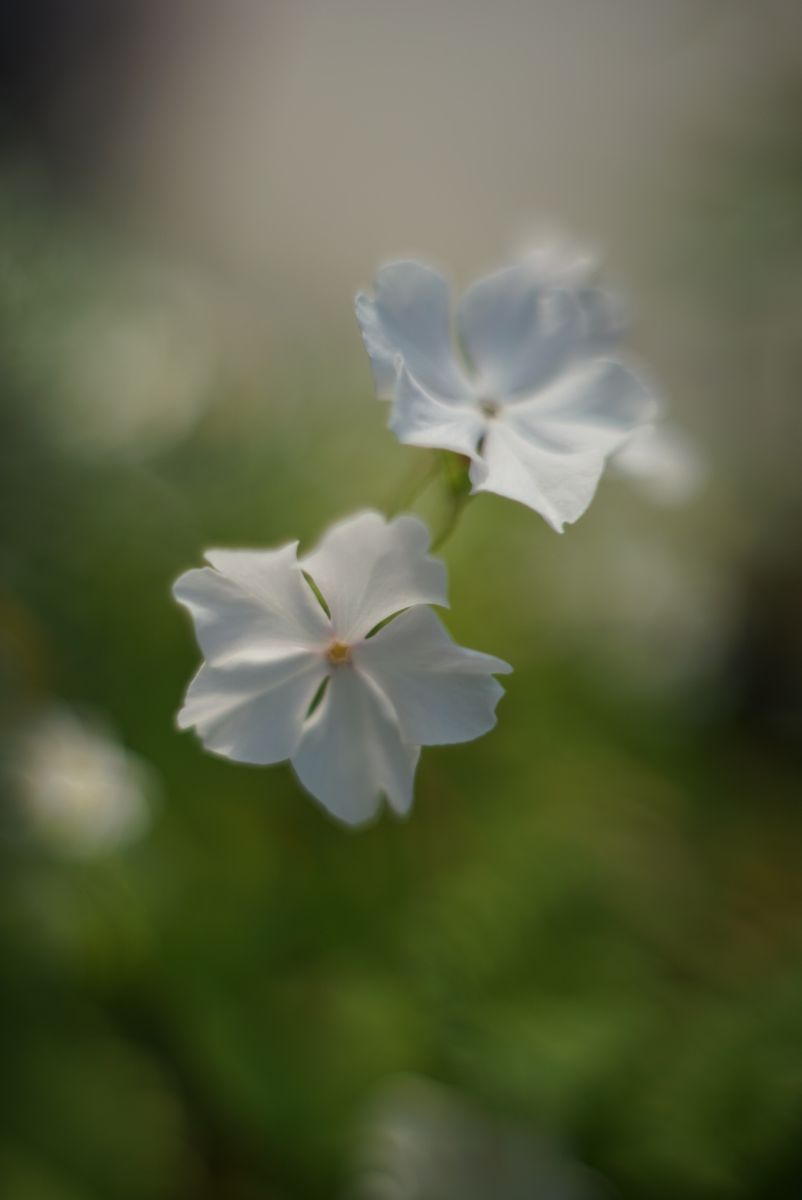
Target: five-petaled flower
(297,669)
(541,402)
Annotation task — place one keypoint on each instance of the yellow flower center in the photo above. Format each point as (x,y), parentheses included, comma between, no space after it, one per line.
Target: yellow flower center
(338,653)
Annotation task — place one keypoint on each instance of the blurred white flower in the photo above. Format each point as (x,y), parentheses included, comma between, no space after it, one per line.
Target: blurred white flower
(660,457)
(658,619)
(129,382)
(116,354)
(544,404)
(133,366)
(555,261)
(270,646)
(80,792)
(664,461)
(419,1140)
(554,258)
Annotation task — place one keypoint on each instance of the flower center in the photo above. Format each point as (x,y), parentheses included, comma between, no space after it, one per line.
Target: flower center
(489,407)
(338,653)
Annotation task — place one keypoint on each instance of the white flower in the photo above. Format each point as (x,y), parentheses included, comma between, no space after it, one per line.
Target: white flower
(664,461)
(419,1139)
(80,791)
(270,646)
(557,259)
(543,403)
(555,262)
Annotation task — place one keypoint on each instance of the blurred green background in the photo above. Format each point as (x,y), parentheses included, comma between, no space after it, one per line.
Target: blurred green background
(576,970)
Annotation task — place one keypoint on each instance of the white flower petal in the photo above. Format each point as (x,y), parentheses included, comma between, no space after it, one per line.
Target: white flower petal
(558,262)
(253,713)
(518,334)
(605,317)
(367,569)
(409,317)
(552,258)
(383,356)
(441,692)
(420,419)
(558,486)
(80,791)
(351,752)
(256,603)
(665,461)
(594,406)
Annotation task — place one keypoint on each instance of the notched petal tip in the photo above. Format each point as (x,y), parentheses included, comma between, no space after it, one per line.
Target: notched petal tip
(179,585)
(182,722)
(191,588)
(349,822)
(222,560)
(362,300)
(413,523)
(396,811)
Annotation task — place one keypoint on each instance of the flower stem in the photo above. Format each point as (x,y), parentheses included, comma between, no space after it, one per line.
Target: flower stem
(458,503)
(452,470)
(415,483)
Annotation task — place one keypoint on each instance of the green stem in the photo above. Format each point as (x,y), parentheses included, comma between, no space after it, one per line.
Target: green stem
(452,470)
(414,485)
(458,504)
